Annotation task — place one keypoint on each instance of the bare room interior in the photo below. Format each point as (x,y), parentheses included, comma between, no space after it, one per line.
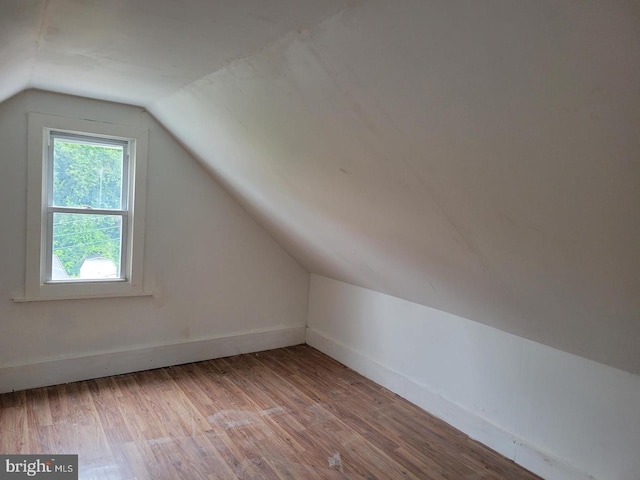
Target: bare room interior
(346,239)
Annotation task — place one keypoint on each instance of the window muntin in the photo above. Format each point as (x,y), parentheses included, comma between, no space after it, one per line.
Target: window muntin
(87,208)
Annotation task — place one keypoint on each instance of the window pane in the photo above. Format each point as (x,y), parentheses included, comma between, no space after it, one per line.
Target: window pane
(86,246)
(87,174)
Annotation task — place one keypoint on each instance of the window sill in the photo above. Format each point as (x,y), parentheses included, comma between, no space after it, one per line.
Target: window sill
(79,297)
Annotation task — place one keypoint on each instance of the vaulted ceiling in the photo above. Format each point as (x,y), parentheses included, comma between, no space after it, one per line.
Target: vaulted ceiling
(482,158)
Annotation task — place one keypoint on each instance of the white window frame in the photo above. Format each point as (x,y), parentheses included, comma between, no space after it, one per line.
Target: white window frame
(37,285)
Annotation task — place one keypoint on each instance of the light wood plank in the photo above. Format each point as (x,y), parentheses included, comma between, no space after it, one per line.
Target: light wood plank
(284,414)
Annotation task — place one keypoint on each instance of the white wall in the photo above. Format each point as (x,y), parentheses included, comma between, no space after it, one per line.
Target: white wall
(561,416)
(213,270)
(478,157)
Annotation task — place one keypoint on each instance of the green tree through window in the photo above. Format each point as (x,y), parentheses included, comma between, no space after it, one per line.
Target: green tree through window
(86,176)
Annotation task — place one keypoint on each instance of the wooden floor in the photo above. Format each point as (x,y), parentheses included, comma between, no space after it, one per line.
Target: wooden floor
(284,414)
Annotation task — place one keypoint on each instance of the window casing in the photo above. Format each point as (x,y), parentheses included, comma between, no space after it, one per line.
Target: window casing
(112,222)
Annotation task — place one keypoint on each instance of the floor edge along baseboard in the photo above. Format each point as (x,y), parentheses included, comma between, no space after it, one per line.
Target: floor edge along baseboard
(104,364)
(478,428)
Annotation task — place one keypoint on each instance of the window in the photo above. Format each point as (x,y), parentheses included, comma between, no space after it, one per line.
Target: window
(85,211)
(87,207)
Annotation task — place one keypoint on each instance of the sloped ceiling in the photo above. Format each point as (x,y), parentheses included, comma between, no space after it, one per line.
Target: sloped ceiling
(482,158)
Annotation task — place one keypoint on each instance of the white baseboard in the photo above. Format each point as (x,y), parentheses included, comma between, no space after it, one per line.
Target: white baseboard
(475,426)
(104,364)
